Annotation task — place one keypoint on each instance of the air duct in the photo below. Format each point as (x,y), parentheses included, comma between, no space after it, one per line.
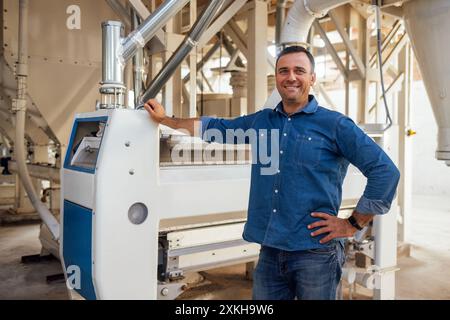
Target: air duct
(117,50)
(297,25)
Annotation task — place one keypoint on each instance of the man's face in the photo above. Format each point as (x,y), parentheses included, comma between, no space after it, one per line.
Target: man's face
(294,77)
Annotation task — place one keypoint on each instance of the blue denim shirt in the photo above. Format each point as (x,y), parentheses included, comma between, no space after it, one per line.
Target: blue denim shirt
(316,146)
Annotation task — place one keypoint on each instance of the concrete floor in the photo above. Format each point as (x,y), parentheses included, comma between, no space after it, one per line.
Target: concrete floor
(423,275)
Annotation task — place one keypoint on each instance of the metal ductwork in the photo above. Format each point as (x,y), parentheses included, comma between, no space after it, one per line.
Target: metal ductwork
(280,17)
(296,27)
(301,16)
(428,24)
(183,50)
(147,30)
(117,51)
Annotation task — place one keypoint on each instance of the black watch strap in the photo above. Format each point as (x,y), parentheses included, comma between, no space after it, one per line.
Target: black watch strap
(354,223)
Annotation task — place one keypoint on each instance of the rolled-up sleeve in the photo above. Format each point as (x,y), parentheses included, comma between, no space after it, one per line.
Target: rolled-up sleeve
(381,173)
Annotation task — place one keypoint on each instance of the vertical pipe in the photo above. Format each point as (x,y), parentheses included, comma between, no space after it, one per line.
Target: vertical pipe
(280,16)
(20,109)
(112,73)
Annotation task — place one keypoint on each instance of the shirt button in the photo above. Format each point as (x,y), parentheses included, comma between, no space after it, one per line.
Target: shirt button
(281,151)
(262,134)
(309,138)
(289,119)
(276,190)
(274,210)
(284,134)
(278,171)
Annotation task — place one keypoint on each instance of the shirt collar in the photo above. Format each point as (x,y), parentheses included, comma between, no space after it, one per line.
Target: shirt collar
(311,107)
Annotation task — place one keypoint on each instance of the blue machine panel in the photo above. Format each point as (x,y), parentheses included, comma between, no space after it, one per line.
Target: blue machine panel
(77,245)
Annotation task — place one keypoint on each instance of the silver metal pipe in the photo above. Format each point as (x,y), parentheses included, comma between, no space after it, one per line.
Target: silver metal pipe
(138,38)
(138,64)
(183,50)
(112,73)
(280,16)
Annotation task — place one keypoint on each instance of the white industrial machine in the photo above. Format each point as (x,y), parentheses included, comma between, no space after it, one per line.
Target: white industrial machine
(129,222)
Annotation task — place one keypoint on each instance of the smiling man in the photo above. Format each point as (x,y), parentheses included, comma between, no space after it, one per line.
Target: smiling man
(292,213)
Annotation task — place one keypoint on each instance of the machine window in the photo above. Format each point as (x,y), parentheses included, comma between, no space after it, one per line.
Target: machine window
(86,144)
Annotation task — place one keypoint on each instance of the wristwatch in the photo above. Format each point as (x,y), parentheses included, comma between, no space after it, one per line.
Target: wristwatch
(354,223)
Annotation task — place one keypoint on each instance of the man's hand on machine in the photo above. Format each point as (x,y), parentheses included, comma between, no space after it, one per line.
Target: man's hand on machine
(156,111)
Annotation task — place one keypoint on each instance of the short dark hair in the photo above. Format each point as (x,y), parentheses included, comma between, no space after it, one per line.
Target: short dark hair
(295,49)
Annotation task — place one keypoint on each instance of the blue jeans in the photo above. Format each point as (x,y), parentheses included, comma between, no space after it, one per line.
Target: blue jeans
(306,275)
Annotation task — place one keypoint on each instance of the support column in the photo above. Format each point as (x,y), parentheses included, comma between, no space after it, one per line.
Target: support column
(238,82)
(256,59)
(363,85)
(176,82)
(171,92)
(193,66)
(22,203)
(405,144)
(347,63)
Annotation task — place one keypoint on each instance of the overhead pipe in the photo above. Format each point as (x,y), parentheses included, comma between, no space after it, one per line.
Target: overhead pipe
(190,41)
(19,107)
(301,16)
(138,65)
(296,27)
(147,30)
(117,51)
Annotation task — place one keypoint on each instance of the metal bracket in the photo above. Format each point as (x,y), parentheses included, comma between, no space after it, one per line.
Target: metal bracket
(316,15)
(176,274)
(376,273)
(169,291)
(366,247)
(18,105)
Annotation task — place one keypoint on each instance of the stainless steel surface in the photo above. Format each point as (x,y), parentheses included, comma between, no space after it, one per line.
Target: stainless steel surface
(138,38)
(280,17)
(138,65)
(111,39)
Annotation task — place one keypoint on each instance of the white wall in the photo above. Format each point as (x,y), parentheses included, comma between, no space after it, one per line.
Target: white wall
(430,176)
